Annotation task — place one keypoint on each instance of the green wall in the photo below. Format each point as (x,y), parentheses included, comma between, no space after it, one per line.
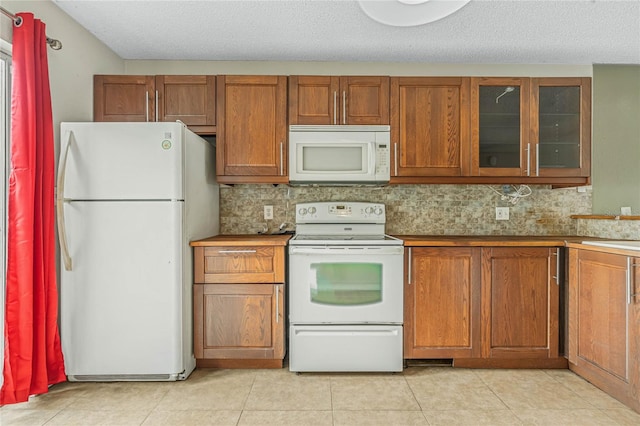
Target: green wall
(616,138)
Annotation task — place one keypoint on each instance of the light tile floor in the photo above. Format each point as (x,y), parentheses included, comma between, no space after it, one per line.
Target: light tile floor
(418,396)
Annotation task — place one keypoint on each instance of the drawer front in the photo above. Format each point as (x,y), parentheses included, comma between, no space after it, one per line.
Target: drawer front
(239,264)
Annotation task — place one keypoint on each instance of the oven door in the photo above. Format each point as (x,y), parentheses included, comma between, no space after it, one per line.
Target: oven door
(346,284)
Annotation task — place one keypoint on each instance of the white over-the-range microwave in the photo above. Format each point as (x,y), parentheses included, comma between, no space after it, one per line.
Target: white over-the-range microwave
(339,155)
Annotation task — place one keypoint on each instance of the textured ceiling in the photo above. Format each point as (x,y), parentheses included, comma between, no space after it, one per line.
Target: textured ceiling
(482,32)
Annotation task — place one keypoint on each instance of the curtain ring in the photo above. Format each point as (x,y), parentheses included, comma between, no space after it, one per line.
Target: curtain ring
(17,21)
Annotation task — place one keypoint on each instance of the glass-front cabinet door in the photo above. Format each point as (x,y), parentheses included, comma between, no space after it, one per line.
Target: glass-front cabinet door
(531,127)
(500,126)
(561,126)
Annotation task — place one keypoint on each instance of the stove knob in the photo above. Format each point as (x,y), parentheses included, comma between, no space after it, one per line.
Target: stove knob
(302,211)
(368,210)
(378,211)
(312,210)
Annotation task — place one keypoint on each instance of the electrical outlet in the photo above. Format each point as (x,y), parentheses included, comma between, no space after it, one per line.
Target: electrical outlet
(502,213)
(625,211)
(268,212)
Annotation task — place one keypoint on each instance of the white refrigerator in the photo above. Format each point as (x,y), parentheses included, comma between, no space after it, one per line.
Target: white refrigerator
(130,197)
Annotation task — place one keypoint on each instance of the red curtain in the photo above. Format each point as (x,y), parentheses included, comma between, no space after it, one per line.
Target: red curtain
(33,357)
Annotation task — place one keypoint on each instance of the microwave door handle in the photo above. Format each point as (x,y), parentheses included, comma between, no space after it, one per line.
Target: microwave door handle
(372,158)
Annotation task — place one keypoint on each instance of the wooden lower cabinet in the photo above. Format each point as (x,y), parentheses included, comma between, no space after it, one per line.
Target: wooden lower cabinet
(239,301)
(442,303)
(239,322)
(483,306)
(604,322)
(520,306)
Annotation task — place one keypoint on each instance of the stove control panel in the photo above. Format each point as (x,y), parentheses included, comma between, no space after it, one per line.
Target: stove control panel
(340,212)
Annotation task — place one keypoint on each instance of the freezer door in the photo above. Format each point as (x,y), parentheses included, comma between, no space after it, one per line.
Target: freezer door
(121,161)
(121,305)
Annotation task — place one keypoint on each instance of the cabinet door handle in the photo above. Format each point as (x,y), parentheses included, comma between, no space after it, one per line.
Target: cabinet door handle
(344,107)
(146,104)
(395,157)
(236,251)
(277,303)
(628,276)
(630,284)
(281,159)
(528,159)
(157,106)
(335,107)
(557,275)
(409,267)
(538,159)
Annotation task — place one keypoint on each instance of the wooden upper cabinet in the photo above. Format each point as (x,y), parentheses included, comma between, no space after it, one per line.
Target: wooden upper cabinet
(188,98)
(531,127)
(252,129)
(326,100)
(520,303)
(123,98)
(500,126)
(442,303)
(313,99)
(429,127)
(561,127)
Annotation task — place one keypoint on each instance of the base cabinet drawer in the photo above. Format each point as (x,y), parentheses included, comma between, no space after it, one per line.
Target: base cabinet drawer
(239,264)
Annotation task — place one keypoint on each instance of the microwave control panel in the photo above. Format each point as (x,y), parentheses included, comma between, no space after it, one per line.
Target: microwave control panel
(382,159)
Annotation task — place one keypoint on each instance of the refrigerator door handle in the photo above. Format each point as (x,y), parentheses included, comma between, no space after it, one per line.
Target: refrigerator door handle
(62,231)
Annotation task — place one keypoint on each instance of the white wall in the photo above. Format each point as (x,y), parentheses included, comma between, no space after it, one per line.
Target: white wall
(71,69)
(353,68)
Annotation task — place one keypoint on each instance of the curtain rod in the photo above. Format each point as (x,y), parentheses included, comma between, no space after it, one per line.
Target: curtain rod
(52,42)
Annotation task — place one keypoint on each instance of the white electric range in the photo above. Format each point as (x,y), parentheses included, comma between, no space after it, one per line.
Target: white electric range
(345,289)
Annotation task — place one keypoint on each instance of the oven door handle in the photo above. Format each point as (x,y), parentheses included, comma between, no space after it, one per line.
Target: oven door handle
(346,250)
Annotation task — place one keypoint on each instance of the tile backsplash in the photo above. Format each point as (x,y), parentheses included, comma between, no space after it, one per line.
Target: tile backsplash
(413,209)
(608,228)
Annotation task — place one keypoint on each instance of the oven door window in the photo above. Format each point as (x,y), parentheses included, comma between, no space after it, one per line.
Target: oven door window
(345,284)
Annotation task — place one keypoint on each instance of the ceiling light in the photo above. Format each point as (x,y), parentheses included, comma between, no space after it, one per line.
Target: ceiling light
(409,13)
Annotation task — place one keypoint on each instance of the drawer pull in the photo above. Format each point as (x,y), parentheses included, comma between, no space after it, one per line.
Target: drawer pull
(237,251)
